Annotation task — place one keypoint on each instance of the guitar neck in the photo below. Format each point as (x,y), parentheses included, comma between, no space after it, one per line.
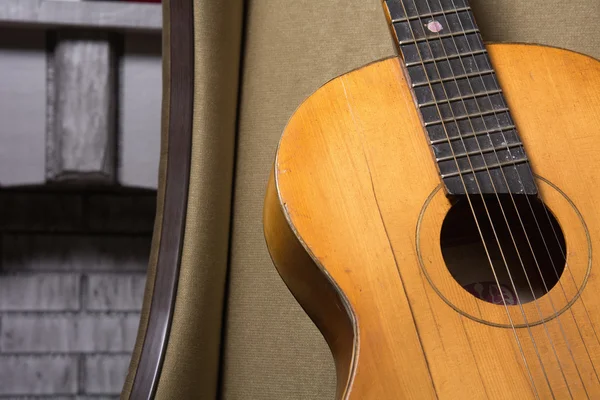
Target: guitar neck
(473,137)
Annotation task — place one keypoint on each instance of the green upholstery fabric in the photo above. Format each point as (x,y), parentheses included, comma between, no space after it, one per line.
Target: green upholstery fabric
(193,350)
(272,351)
(192,358)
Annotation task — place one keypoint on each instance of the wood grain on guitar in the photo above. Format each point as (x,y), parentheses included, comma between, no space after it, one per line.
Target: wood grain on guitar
(354,214)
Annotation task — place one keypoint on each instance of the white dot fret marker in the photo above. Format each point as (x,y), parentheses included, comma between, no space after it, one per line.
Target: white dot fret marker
(435,26)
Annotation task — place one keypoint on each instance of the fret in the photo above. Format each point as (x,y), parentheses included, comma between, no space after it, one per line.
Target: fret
(457,90)
(460,66)
(430,15)
(399,9)
(449,70)
(460,98)
(465,127)
(418,29)
(473,134)
(452,119)
(518,177)
(477,152)
(452,4)
(452,78)
(405,36)
(491,164)
(458,145)
(501,143)
(438,36)
(455,109)
(442,46)
(462,107)
(486,167)
(437,59)
(449,25)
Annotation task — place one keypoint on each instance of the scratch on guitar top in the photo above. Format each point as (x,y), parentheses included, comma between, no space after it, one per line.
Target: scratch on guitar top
(348,101)
(293,213)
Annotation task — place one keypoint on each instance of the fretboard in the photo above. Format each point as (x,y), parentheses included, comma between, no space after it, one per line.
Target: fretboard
(465,115)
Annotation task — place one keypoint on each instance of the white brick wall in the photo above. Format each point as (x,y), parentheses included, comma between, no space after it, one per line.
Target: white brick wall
(122,292)
(105,373)
(38,375)
(52,252)
(58,397)
(72,276)
(68,333)
(45,292)
(44,397)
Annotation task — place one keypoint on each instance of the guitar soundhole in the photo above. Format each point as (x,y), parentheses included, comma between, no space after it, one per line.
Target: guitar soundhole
(525,244)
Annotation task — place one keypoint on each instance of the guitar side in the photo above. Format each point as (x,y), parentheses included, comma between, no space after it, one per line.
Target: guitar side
(345,228)
(315,291)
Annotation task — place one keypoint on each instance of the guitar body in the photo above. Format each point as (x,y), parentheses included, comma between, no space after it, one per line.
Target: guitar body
(353,219)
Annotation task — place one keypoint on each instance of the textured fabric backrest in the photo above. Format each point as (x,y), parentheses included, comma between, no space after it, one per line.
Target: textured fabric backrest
(271,349)
(191,362)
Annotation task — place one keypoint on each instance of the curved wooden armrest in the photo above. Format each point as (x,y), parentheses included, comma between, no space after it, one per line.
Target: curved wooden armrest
(178,70)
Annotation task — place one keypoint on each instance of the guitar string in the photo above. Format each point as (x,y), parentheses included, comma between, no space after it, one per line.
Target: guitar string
(493,147)
(575,283)
(528,167)
(476,67)
(534,388)
(520,305)
(537,223)
(556,237)
(566,264)
(521,221)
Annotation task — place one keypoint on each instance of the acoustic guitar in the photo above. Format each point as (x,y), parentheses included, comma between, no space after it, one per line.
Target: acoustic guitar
(436,215)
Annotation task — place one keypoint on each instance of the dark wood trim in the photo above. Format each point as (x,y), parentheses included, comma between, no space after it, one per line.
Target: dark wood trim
(181,50)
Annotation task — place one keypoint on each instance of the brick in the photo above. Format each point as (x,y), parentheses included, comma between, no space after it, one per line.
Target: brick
(117,292)
(35,211)
(38,375)
(75,253)
(41,398)
(39,292)
(95,398)
(119,213)
(105,374)
(68,333)
(90,397)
